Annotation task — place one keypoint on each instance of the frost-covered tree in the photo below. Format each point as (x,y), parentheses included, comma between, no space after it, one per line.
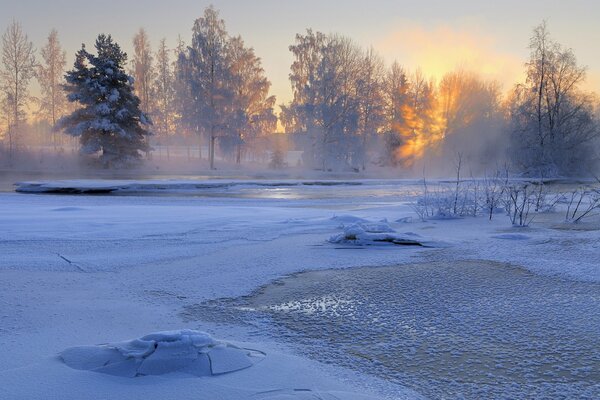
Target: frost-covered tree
(206,72)
(183,98)
(371,101)
(143,70)
(109,120)
(225,88)
(555,129)
(396,96)
(252,107)
(165,91)
(327,103)
(18,62)
(50,77)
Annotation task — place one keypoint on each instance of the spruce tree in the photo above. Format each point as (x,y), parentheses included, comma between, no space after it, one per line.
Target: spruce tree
(109,120)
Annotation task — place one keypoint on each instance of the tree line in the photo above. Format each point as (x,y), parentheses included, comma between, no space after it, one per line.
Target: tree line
(349,110)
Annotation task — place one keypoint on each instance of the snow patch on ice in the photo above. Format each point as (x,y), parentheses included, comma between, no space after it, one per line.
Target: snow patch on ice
(377,233)
(188,351)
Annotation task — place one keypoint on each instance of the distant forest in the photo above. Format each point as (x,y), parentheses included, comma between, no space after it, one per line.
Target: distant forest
(351,110)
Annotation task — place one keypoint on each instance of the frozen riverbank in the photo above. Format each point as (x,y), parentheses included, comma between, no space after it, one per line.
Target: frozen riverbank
(80,270)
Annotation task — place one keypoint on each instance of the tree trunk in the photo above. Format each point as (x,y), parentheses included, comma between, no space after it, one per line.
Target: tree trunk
(211,150)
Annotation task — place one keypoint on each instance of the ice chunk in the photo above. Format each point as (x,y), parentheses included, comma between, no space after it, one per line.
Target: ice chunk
(136,347)
(169,357)
(91,357)
(199,367)
(376,233)
(128,368)
(192,352)
(227,358)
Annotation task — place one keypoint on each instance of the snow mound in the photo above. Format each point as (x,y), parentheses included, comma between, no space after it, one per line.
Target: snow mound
(307,394)
(371,233)
(188,351)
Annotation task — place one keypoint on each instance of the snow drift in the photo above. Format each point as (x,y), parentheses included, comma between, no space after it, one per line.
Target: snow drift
(373,233)
(187,351)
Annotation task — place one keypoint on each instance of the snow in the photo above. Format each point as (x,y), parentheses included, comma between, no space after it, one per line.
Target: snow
(188,351)
(151,186)
(80,270)
(511,236)
(365,234)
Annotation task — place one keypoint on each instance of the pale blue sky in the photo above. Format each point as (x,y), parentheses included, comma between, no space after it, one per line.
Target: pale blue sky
(488,35)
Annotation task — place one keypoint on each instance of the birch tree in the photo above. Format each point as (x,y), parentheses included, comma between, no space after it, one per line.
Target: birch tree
(18,61)
(326,104)
(164,87)
(206,72)
(252,107)
(143,70)
(50,77)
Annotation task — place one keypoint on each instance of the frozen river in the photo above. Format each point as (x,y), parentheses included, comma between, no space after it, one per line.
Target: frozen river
(155,255)
(473,330)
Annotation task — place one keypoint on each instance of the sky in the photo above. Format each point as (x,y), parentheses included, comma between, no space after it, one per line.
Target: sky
(490,37)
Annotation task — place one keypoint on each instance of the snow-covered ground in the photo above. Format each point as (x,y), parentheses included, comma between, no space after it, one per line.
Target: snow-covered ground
(85,270)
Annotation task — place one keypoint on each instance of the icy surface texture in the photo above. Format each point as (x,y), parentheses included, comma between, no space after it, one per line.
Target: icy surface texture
(188,351)
(468,330)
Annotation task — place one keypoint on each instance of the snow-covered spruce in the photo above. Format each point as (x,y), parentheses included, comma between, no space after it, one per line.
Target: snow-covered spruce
(188,351)
(109,120)
(372,233)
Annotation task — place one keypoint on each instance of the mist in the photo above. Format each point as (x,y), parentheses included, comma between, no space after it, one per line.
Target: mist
(352,113)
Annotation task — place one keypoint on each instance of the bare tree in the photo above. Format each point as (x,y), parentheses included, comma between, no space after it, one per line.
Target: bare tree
(326,103)
(251,104)
(206,74)
(583,203)
(50,77)
(18,61)
(554,125)
(493,191)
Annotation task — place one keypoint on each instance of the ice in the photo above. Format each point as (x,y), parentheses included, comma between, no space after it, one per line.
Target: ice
(81,269)
(469,330)
(224,359)
(91,357)
(162,353)
(199,367)
(365,234)
(169,357)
